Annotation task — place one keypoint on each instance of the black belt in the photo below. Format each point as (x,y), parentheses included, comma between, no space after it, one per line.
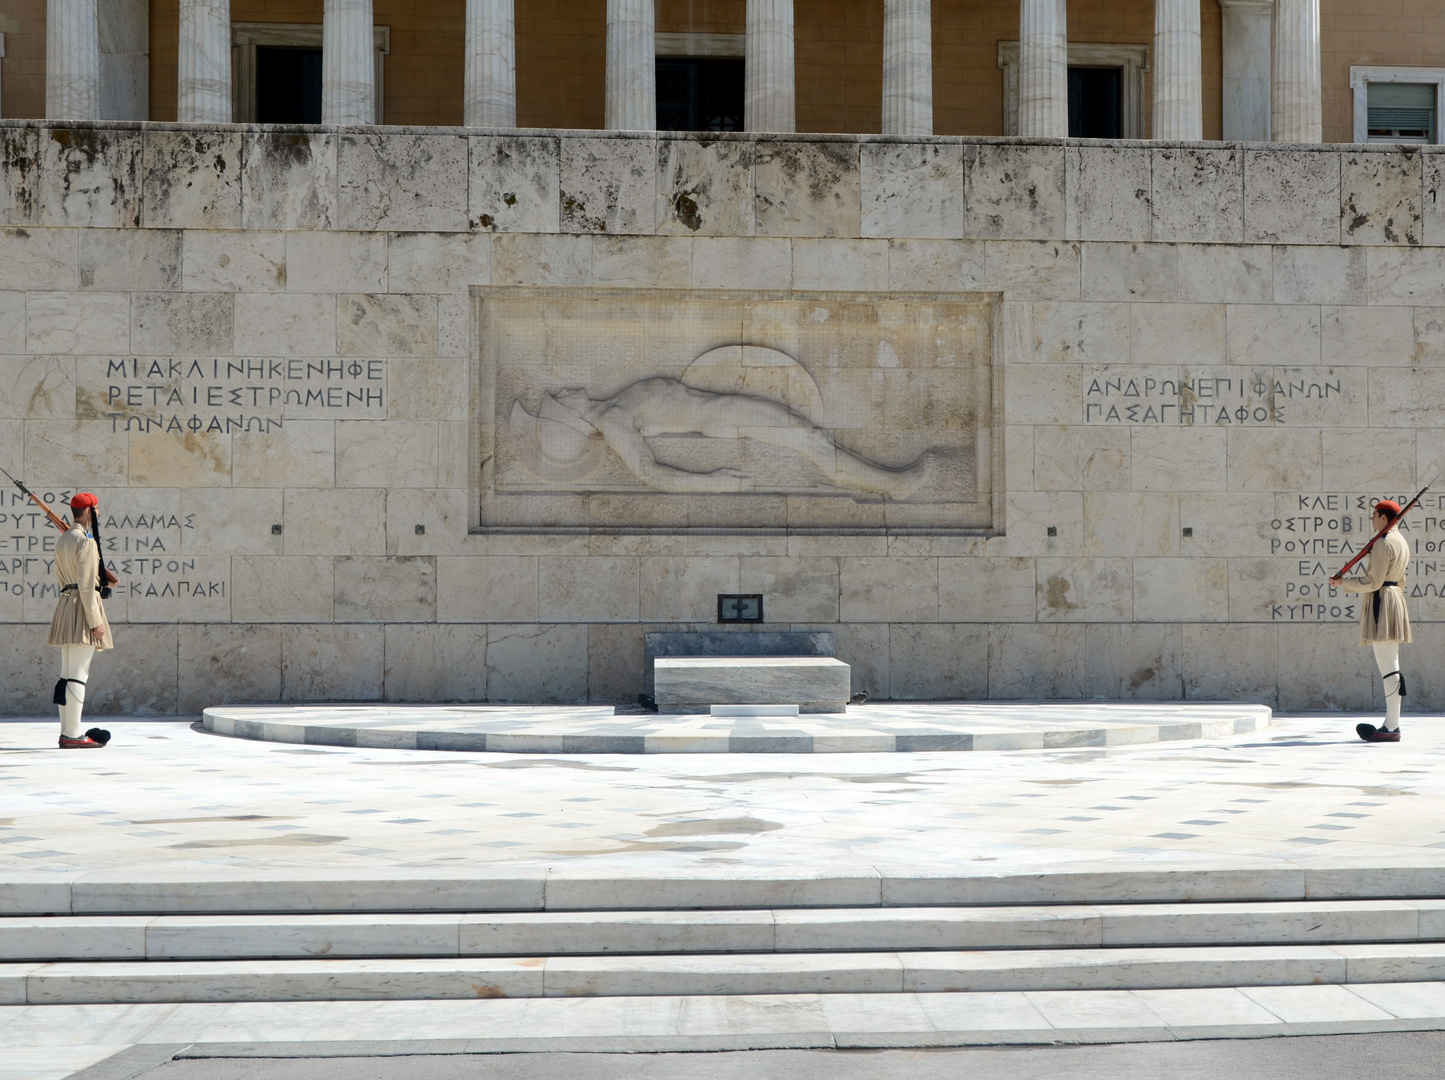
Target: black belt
(70,588)
(1376,594)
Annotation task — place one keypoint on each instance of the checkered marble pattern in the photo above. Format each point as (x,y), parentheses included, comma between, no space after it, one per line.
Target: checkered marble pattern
(880,728)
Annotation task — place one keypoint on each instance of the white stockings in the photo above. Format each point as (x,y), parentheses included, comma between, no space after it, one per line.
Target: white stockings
(1387,659)
(75,668)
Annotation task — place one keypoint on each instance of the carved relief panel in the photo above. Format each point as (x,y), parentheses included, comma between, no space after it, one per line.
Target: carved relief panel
(672,410)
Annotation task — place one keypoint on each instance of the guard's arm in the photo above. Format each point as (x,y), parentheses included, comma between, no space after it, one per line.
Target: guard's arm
(1373,579)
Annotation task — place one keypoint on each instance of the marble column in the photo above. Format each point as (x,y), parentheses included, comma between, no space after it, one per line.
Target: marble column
(348,63)
(491,93)
(204,86)
(631,66)
(72,60)
(1043,69)
(1246,68)
(1295,87)
(1178,71)
(907,67)
(770,97)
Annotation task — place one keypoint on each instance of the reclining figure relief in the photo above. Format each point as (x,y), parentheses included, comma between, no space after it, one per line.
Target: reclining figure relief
(664,406)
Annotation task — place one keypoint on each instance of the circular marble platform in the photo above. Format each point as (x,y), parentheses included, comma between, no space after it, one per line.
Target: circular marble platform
(874,728)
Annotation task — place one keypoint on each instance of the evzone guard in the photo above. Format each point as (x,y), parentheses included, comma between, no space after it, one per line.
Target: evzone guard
(1384,618)
(79,626)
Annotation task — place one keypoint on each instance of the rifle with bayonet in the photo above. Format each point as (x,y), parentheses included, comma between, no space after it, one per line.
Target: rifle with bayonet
(59,522)
(1366,549)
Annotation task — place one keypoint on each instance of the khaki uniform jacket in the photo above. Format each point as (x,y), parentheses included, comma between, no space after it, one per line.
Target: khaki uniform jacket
(79,611)
(1388,561)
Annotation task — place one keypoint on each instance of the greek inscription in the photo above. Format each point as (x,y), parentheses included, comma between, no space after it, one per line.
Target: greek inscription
(221,396)
(1320,532)
(1222,401)
(142,548)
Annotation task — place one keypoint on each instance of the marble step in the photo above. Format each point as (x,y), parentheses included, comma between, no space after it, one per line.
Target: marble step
(707,975)
(36,1039)
(240,937)
(543,888)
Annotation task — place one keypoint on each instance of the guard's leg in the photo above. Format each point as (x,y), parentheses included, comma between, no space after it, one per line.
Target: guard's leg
(75,670)
(1387,659)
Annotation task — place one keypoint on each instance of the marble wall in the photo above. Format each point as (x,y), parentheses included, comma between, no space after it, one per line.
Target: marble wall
(259,348)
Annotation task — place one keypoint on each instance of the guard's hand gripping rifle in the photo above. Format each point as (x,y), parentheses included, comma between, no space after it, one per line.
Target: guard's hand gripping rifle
(59,523)
(1366,549)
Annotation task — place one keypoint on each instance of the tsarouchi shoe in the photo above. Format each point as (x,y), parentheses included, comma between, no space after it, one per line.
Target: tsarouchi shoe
(1370,733)
(98,734)
(85,742)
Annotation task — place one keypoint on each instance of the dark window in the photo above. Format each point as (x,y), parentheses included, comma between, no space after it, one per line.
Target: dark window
(1094,103)
(1401,112)
(699,95)
(288,86)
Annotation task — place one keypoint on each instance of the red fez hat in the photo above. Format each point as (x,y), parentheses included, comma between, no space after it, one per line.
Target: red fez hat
(1390,506)
(83,500)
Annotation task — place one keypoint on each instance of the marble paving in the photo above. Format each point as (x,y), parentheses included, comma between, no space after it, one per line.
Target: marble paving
(165,796)
(168,797)
(872,728)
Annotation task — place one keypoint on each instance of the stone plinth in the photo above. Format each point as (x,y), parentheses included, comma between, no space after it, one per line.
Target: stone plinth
(685,684)
(733,643)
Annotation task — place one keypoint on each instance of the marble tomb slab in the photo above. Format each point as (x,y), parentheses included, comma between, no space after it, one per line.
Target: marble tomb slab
(692,683)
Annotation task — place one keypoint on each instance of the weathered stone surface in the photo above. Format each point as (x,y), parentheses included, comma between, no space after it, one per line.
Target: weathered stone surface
(337,262)
(386,590)
(1109,193)
(938,662)
(163,324)
(1197,196)
(1381,199)
(514,183)
(608,185)
(434,263)
(191,180)
(911,189)
(735,263)
(89,177)
(386,324)
(225,261)
(78,322)
(1226,273)
(1014,192)
(1133,663)
(1287,194)
(536,662)
(806,188)
(331,663)
(220,663)
(269,589)
(434,663)
(135,259)
(704,186)
(20,178)
(1137,272)
(401,182)
(288,180)
(690,684)
(935,265)
(285,325)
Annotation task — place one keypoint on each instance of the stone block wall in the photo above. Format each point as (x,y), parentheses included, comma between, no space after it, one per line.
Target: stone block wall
(257,347)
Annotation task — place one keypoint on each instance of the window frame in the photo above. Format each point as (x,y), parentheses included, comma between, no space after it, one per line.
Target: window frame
(1360,78)
(1132,59)
(246,37)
